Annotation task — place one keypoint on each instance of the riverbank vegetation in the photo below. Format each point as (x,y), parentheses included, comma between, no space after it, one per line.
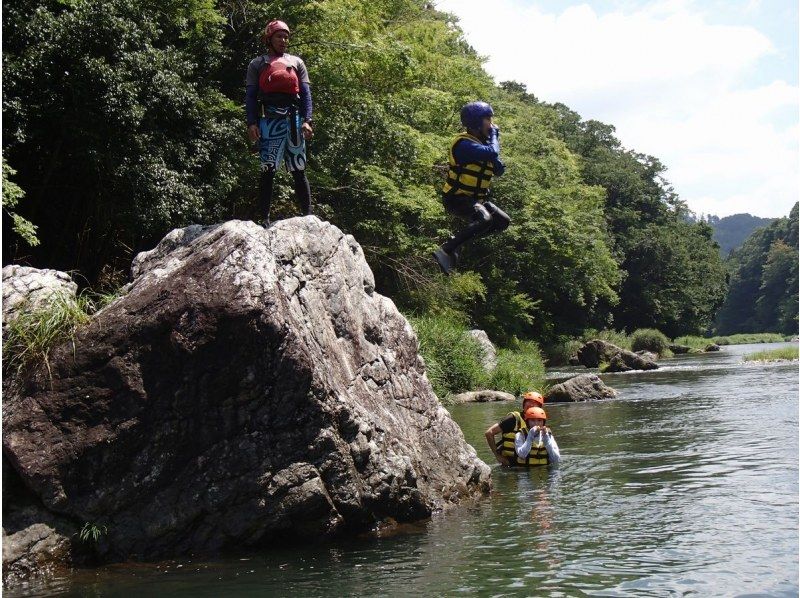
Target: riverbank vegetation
(454,360)
(700,342)
(599,239)
(782,354)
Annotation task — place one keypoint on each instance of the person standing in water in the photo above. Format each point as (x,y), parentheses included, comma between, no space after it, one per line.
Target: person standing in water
(474,158)
(536,445)
(278,108)
(516,429)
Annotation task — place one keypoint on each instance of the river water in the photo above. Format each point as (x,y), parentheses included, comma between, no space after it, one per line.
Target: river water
(684,485)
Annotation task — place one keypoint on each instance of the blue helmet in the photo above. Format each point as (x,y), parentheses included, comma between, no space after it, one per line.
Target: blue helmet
(472,114)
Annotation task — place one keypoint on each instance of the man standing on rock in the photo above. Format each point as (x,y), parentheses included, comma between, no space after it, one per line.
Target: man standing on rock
(474,159)
(278,108)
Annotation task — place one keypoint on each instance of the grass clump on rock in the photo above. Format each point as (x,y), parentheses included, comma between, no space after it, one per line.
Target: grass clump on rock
(29,338)
(781,354)
(650,339)
(620,339)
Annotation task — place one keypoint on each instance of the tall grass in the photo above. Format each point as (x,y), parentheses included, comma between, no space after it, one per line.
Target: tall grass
(558,353)
(620,339)
(453,360)
(784,353)
(32,335)
(650,339)
(519,369)
(699,342)
(452,356)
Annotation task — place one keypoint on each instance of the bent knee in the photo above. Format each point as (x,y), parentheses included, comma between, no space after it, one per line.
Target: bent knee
(500,219)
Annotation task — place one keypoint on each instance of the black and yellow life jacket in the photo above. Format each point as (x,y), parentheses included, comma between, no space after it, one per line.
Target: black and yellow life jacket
(469,180)
(537,455)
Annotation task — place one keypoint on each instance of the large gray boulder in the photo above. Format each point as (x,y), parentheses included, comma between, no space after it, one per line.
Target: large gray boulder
(481,396)
(584,387)
(36,542)
(679,349)
(625,361)
(489,360)
(250,385)
(26,288)
(596,352)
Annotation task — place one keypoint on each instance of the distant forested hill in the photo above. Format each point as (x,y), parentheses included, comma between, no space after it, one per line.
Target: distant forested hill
(731,231)
(762,295)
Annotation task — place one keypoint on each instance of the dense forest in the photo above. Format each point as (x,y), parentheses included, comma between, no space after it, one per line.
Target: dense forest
(731,231)
(124,119)
(763,281)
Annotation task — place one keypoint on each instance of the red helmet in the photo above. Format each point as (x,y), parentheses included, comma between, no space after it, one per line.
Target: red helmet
(535,413)
(273,27)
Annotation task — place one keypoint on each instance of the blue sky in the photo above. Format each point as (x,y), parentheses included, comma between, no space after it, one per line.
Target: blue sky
(708,87)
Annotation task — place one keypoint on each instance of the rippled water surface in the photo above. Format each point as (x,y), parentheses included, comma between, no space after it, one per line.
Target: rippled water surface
(686,484)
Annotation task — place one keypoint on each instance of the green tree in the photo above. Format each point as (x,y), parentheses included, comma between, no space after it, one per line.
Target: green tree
(763,281)
(115,122)
(12,194)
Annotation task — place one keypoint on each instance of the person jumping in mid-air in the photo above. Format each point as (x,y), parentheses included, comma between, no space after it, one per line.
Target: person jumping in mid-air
(474,158)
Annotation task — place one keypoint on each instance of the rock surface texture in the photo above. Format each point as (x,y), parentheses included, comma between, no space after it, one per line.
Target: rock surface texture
(584,387)
(597,351)
(489,360)
(250,386)
(482,396)
(679,349)
(31,288)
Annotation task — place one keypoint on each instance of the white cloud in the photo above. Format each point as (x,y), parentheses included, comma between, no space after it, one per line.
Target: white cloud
(670,82)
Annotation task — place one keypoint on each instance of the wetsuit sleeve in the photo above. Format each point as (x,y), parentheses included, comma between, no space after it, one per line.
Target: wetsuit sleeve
(306,107)
(251,104)
(302,72)
(507,425)
(522,443)
(552,448)
(467,150)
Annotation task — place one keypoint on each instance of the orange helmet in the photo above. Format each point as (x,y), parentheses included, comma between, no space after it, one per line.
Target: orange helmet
(534,396)
(535,413)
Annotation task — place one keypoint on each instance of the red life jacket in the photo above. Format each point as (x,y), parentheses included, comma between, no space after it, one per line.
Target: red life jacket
(278,77)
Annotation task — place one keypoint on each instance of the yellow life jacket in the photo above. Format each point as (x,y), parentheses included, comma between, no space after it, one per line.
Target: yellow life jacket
(469,180)
(538,453)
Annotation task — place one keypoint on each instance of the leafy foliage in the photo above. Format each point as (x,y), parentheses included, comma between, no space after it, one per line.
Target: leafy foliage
(763,292)
(12,194)
(138,128)
(649,339)
(91,532)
